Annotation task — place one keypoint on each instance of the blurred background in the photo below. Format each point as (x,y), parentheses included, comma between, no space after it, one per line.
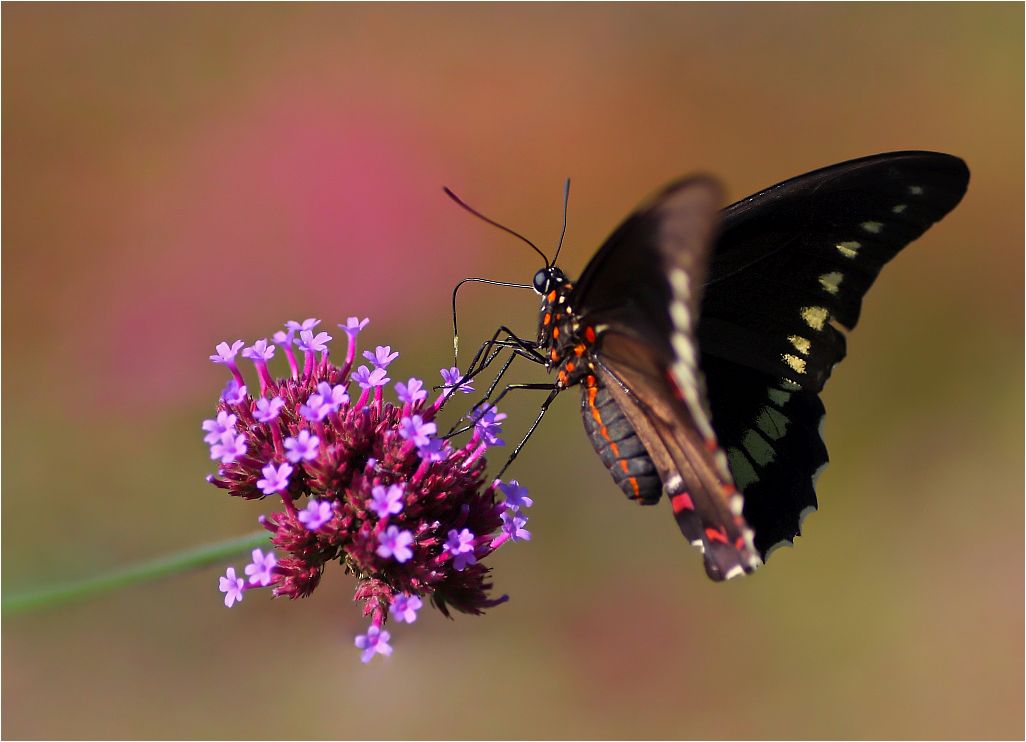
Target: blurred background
(179,175)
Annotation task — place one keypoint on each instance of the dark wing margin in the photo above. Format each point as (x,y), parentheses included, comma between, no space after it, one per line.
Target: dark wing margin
(790,268)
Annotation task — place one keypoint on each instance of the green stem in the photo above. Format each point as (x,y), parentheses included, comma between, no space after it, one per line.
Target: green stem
(201,556)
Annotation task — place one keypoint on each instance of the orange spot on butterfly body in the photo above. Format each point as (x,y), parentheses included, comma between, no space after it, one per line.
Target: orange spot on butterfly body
(589,334)
(579,349)
(555,332)
(547,318)
(552,296)
(634,485)
(624,466)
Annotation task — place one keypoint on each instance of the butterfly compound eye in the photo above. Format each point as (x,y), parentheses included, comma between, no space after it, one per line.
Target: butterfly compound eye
(541,281)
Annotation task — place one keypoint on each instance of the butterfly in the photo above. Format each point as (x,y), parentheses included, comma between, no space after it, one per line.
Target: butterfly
(701,337)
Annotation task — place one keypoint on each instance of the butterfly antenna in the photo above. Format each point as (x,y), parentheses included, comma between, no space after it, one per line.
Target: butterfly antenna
(562,234)
(455,330)
(482,217)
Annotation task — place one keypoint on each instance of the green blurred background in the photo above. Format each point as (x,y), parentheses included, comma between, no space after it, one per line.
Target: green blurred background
(176,175)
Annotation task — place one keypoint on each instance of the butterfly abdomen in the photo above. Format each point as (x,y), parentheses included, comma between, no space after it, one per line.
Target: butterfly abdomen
(618,445)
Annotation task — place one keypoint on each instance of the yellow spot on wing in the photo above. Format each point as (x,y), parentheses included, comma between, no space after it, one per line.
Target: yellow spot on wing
(831,281)
(872,227)
(899,208)
(815,317)
(796,363)
(849,249)
(802,344)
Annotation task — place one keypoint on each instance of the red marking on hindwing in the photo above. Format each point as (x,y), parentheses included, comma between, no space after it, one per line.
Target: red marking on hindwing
(740,543)
(681,502)
(716,534)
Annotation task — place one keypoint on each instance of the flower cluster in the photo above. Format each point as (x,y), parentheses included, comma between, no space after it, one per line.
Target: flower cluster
(360,480)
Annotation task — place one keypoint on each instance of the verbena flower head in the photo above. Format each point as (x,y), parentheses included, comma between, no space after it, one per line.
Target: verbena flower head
(358,480)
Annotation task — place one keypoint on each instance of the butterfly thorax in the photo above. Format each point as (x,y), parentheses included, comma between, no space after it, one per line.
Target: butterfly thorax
(560,335)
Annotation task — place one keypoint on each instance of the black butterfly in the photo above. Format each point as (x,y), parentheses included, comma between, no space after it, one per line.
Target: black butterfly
(702,337)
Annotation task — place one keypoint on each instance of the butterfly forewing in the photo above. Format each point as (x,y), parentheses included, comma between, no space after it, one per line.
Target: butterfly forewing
(791,265)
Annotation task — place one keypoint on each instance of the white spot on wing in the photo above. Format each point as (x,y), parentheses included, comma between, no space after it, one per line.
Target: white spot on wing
(736,571)
(772,422)
(872,227)
(899,208)
(915,190)
(673,484)
(778,397)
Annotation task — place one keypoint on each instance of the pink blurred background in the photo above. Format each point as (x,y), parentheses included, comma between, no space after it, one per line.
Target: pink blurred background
(175,175)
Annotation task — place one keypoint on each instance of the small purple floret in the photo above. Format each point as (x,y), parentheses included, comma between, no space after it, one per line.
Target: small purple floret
(233,392)
(229,447)
(259,351)
(375,641)
(513,523)
(353,326)
(268,409)
(368,379)
(488,425)
(434,450)
(411,392)
(461,545)
(216,428)
(308,324)
(315,409)
(395,544)
(335,396)
(387,501)
(382,356)
(516,495)
(275,478)
(301,448)
(415,429)
(404,607)
(316,514)
(261,570)
(226,353)
(451,376)
(311,343)
(232,587)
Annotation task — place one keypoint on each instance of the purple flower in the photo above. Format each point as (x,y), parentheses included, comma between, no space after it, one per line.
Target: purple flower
(335,396)
(367,378)
(375,641)
(412,392)
(382,356)
(404,607)
(259,351)
(434,450)
(395,543)
(311,343)
(232,587)
(308,324)
(516,495)
(461,546)
(216,428)
(260,571)
(488,425)
(226,353)
(229,447)
(353,326)
(451,376)
(301,448)
(513,523)
(284,339)
(268,409)
(315,409)
(316,514)
(415,429)
(275,478)
(386,501)
(233,392)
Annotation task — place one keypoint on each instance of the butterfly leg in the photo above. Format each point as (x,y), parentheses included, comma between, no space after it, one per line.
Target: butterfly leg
(554,391)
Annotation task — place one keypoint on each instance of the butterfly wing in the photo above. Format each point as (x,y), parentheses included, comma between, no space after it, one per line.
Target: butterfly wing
(791,265)
(641,293)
